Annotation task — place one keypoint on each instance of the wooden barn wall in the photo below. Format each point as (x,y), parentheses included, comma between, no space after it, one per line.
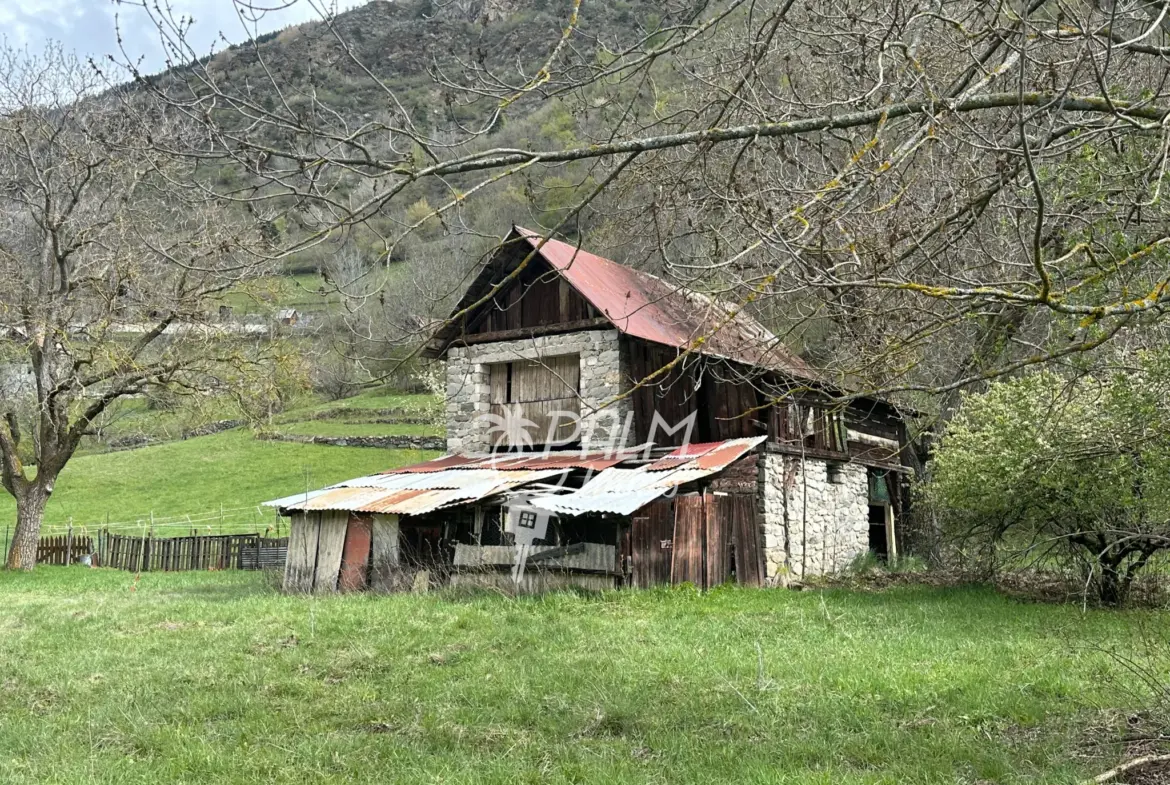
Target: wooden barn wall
(539,297)
(726,409)
(703,538)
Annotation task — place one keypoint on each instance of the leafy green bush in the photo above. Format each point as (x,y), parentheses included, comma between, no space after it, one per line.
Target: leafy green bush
(1063,471)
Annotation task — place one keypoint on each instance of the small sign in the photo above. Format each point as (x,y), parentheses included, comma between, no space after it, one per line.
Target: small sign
(527,524)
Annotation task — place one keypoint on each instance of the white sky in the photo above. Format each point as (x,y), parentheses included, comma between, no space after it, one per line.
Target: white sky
(89,26)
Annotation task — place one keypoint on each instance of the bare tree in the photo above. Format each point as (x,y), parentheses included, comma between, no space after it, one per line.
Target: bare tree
(108,274)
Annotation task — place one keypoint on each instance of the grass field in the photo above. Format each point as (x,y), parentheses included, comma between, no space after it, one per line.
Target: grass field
(214,677)
(232,469)
(198,475)
(335,428)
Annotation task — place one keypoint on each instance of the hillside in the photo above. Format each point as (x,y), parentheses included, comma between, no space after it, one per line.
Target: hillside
(414,45)
(427,58)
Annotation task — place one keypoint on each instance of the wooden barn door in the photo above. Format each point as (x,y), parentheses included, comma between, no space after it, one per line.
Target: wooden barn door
(710,531)
(718,539)
(688,547)
(739,510)
(651,533)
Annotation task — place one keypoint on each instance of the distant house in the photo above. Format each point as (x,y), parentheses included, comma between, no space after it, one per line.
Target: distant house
(671,438)
(288,317)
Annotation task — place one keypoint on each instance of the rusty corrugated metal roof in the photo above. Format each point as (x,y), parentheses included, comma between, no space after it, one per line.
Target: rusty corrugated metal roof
(706,455)
(624,491)
(459,479)
(412,493)
(513,462)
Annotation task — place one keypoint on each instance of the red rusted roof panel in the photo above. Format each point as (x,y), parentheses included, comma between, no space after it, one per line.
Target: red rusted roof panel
(437,465)
(713,456)
(645,306)
(513,462)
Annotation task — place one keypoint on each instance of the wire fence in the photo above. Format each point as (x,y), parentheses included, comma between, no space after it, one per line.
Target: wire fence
(222,520)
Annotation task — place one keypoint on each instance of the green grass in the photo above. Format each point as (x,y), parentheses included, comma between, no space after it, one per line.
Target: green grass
(230,468)
(375,399)
(336,428)
(213,677)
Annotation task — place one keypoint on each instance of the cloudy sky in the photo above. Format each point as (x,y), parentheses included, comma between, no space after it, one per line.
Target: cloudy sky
(89,26)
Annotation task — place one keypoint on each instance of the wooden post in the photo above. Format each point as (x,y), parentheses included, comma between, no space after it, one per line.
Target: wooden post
(891,537)
(69,544)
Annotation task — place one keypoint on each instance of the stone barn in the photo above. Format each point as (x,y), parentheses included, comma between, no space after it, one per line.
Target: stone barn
(671,438)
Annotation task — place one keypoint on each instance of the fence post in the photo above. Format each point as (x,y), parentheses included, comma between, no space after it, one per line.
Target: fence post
(69,544)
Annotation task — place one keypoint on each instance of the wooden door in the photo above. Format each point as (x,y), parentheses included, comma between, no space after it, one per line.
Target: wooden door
(717,533)
(651,538)
(746,537)
(687,548)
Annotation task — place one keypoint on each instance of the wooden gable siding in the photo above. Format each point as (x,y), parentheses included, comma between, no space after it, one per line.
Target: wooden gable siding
(538,297)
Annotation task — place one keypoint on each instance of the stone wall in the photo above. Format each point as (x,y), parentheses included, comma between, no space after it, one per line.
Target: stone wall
(383,442)
(602,375)
(815,521)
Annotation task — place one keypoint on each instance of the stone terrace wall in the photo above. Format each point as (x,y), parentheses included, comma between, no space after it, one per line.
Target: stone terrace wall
(602,375)
(812,524)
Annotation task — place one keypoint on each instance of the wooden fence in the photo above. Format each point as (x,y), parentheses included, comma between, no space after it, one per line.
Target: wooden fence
(166,554)
(63,549)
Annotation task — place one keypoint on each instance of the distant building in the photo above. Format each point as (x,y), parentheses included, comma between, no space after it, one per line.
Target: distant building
(288,317)
(671,437)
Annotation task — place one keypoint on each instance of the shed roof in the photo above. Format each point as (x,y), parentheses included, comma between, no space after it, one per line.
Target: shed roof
(461,479)
(645,306)
(407,492)
(623,491)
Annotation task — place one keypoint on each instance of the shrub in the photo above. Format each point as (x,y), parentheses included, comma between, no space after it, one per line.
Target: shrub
(1056,470)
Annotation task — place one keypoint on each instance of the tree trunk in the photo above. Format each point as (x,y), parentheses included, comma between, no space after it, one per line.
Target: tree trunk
(1111,587)
(30,512)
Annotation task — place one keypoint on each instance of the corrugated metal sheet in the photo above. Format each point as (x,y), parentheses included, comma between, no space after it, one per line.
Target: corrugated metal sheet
(623,491)
(412,493)
(514,461)
(707,455)
(458,479)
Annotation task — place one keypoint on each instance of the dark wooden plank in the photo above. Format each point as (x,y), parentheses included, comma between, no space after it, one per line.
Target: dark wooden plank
(717,522)
(687,560)
(747,537)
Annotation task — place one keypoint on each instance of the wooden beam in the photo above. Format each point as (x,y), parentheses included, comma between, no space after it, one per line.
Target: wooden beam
(529,332)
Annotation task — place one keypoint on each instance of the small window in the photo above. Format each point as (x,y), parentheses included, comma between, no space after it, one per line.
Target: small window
(835,473)
(527,520)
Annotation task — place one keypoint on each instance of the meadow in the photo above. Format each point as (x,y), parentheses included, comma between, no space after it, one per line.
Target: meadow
(231,470)
(108,677)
